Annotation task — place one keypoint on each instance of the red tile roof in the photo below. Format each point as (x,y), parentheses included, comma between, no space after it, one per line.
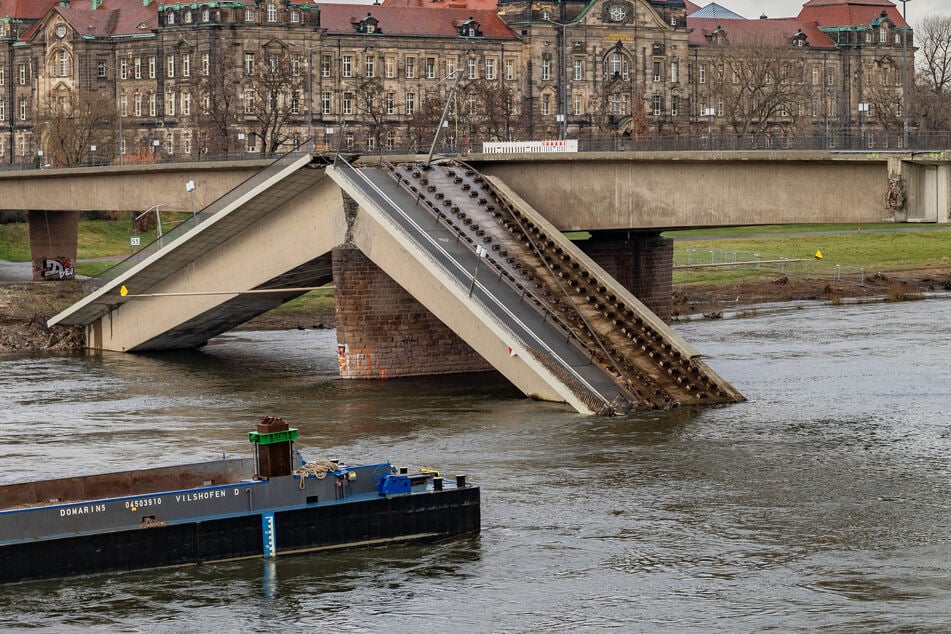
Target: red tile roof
(338,19)
(691,7)
(26,9)
(774,30)
(849,12)
(472,5)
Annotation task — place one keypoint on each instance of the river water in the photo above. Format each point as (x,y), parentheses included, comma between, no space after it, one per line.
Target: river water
(824,502)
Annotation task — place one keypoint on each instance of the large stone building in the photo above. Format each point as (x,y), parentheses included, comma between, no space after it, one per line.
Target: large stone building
(259,76)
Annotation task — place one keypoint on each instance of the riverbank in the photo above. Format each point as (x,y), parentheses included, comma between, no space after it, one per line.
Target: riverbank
(25,307)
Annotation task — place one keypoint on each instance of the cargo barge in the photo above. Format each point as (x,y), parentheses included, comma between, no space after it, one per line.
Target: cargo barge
(272,503)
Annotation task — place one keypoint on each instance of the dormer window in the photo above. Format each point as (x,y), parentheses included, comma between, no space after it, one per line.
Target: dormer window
(369,24)
(295,17)
(271,12)
(205,15)
(249,15)
(187,17)
(883,34)
(470,28)
(799,40)
(170,18)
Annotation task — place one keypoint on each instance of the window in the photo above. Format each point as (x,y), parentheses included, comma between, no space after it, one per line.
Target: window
(720,107)
(347,66)
(657,105)
(153,109)
(389,101)
(248,102)
(815,75)
(430,68)
(123,107)
(123,68)
(151,67)
(325,101)
(509,70)
(657,71)
(170,103)
(390,140)
(252,142)
(186,103)
(370,65)
(577,104)
(187,143)
(614,103)
(169,18)
(883,34)
(410,68)
(137,104)
(295,66)
(451,65)
(326,62)
(249,15)
(205,64)
(169,144)
(473,68)
(63,63)
(674,72)
(249,63)
(22,109)
(830,78)
(205,15)
(347,103)
(390,67)
(868,36)
(546,69)
(170,66)
(674,105)
(137,68)
(3,108)
(21,72)
(410,103)
(546,104)
(702,73)
(371,144)
(578,72)
(121,146)
(490,68)
(295,102)
(271,13)
(3,77)
(187,17)
(295,17)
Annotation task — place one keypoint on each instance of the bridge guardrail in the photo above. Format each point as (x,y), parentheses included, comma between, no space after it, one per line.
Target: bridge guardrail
(198,218)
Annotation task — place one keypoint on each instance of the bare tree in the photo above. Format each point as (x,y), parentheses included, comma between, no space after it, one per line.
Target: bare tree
(219,106)
(370,100)
(759,84)
(931,103)
(272,97)
(933,36)
(75,121)
(496,110)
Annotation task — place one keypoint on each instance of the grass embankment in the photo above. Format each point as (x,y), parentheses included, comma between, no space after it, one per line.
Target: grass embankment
(846,250)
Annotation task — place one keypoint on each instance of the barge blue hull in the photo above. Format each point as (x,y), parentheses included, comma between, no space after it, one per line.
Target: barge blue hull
(452,513)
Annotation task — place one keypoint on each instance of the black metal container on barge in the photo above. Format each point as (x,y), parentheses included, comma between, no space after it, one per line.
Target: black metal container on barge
(271,504)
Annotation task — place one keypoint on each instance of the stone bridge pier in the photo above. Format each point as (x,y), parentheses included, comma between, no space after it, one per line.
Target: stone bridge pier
(54,237)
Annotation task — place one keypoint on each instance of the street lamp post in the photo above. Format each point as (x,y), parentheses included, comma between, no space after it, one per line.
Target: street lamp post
(563,132)
(904,72)
(445,110)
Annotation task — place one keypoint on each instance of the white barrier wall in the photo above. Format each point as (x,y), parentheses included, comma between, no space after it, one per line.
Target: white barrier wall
(530,147)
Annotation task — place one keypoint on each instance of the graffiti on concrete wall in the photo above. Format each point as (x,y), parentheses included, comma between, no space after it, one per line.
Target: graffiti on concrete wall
(59,268)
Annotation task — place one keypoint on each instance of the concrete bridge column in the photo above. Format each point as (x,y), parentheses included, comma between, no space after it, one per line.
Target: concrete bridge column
(53,240)
(641,261)
(383,332)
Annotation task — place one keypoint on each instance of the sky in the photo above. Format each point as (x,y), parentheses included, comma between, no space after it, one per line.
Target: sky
(917,9)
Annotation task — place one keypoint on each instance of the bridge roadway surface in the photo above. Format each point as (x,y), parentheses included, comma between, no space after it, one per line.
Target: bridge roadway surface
(279,228)
(531,332)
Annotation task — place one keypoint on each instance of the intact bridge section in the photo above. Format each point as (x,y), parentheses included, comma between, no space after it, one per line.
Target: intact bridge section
(481,280)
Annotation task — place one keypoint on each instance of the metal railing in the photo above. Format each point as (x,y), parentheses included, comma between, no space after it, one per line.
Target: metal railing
(195,220)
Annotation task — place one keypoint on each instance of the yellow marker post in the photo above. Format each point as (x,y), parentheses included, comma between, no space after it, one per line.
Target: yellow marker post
(818,256)
(123,290)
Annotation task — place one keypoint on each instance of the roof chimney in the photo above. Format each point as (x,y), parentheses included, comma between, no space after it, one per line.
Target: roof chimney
(763,16)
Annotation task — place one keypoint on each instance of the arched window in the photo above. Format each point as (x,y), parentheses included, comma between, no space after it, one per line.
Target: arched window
(617,67)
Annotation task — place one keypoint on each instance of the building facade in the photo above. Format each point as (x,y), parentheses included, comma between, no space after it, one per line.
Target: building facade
(130,81)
